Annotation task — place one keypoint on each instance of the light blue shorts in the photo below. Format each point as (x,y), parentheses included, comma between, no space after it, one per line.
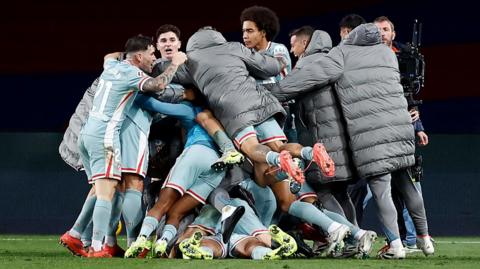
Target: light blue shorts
(305,191)
(134,149)
(192,173)
(249,224)
(208,220)
(100,158)
(265,132)
(235,239)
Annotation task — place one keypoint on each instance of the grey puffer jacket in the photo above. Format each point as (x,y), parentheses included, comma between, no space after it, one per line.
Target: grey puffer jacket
(367,83)
(223,72)
(68,148)
(319,115)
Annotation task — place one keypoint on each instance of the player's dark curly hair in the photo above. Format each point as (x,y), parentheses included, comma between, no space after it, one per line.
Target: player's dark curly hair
(264,18)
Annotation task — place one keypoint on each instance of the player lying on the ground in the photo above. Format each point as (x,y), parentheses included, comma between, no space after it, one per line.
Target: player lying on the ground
(250,238)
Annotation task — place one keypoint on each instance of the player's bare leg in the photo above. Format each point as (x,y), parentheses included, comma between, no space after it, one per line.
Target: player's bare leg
(259,153)
(142,246)
(230,156)
(174,215)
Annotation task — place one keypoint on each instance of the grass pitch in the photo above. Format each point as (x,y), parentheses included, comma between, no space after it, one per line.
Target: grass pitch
(23,251)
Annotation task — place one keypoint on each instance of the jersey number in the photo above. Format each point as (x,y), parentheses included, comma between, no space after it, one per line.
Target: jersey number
(103,88)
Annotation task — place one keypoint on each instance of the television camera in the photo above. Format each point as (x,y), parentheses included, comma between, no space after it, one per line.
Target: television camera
(412,66)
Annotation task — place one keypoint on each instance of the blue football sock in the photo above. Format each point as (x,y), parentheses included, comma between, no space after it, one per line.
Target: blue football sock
(117,203)
(223,141)
(341,219)
(272,158)
(169,232)
(87,235)
(132,212)
(85,216)
(307,153)
(310,213)
(259,252)
(101,218)
(149,225)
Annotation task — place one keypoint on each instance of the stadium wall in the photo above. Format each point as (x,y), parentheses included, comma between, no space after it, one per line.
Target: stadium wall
(40,194)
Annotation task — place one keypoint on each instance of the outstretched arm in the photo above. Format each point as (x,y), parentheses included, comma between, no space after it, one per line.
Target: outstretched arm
(180,111)
(310,76)
(260,65)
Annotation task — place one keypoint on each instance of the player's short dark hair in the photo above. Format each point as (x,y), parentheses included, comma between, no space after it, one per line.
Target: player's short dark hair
(351,21)
(138,43)
(265,19)
(305,30)
(385,18)
(167,28)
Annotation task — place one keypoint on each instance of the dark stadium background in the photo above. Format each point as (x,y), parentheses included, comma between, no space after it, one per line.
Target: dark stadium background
(52,51)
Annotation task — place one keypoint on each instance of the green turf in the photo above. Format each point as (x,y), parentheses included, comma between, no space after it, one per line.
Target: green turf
(20,251)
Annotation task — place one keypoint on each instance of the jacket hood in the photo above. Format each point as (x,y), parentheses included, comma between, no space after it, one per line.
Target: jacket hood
(320,42)
(204,39)
(366,34)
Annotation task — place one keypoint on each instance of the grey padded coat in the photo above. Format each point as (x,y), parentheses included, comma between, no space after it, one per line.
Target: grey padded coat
(367,83)
(225,73)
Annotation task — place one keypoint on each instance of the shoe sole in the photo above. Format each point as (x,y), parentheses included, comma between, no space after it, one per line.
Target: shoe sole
(185,248)
(220,166)
(139,253)
(285,157)
(73,252)
(285,240)
(325,162)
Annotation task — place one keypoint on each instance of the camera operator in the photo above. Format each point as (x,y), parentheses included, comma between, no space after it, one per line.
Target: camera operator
(405,185)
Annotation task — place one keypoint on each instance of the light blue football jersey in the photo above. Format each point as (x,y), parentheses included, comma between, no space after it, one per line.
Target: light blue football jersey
(143,118)
(140,117)
(279,51)
(117,88)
